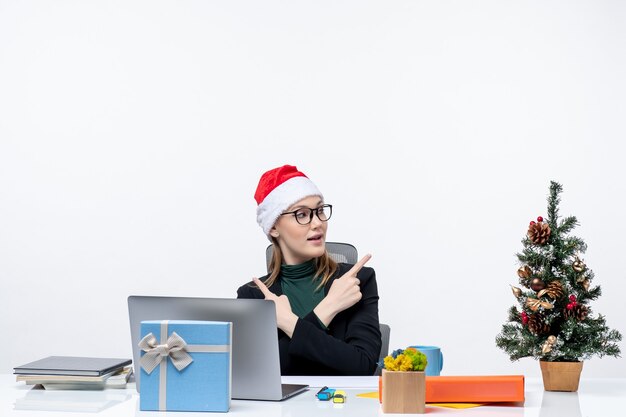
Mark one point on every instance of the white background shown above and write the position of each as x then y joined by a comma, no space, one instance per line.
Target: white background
133,134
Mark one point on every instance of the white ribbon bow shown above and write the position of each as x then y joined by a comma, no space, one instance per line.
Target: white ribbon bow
174,348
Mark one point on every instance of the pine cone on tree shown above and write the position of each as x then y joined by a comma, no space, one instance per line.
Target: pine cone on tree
539,233
579,312
554,290
537,324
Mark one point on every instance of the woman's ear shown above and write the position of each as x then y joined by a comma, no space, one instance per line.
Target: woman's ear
274,233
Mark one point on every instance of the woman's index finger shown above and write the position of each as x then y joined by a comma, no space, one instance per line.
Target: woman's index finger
357,266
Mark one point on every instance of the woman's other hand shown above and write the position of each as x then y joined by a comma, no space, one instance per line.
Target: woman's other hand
285,318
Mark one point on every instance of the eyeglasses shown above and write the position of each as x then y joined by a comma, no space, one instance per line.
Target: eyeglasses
305,215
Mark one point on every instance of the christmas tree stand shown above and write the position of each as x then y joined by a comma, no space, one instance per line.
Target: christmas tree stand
404,392
561,376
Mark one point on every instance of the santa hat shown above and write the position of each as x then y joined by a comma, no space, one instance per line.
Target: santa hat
279,189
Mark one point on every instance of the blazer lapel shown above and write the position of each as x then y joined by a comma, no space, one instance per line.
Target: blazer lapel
276,288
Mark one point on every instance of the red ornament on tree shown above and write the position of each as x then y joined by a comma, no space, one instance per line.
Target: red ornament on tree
539,219
524,318
572,298
571,305
532,222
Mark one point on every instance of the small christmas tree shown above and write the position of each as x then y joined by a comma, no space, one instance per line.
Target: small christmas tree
554,321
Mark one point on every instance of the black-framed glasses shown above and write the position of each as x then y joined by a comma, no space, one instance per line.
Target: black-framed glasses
304,215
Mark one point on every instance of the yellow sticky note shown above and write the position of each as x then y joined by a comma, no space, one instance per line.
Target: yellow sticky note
374,395
456,405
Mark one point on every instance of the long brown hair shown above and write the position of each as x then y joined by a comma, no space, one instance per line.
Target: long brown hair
325,267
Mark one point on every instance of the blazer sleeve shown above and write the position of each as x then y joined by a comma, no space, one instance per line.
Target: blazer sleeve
250,290
358,351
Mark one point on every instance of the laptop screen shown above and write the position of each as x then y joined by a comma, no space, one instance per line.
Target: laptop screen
255,358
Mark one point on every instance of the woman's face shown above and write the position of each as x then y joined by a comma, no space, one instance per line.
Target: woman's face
301,242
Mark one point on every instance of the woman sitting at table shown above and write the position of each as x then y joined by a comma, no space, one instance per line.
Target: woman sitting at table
327,313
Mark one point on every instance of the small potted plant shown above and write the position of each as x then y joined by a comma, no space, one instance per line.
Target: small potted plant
404,382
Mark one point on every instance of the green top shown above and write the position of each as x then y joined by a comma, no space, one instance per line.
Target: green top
299,286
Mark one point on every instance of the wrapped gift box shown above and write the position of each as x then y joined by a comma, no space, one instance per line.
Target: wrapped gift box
185,365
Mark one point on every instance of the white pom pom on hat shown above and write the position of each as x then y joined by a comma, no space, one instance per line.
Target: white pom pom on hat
278,189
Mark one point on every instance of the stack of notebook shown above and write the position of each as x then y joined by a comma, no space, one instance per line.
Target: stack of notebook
72,372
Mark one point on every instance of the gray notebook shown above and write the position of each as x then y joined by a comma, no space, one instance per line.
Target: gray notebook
72,365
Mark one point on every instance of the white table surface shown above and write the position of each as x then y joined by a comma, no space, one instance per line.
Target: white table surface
595,397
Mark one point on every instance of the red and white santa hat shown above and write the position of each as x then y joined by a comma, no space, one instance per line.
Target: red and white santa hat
278,189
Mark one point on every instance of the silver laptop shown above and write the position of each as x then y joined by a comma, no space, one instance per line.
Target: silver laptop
255,359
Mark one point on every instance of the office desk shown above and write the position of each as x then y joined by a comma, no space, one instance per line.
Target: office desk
595,397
